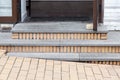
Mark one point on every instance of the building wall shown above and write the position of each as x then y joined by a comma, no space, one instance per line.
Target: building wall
112,12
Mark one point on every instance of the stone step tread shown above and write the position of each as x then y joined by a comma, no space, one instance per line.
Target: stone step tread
22,42
55,27
70,56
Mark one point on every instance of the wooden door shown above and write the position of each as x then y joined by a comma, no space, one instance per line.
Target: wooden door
8,11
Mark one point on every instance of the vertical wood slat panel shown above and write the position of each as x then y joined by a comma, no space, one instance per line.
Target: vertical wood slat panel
24,36
99,36
68,36
68,49
95,36
104,62
15,36
39,35
64,49
27,36
20,36
78,37
83,36
31,35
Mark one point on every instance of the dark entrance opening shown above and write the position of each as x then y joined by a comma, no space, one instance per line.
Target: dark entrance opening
41,10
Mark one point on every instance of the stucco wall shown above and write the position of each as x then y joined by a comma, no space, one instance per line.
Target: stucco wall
112,12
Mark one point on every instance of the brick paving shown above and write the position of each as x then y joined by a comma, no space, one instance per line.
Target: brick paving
19,68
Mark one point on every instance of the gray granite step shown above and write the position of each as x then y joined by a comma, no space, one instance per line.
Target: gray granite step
56,27
70,56
113,40
11,42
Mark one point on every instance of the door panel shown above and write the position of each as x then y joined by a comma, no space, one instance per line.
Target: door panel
61,8
8,10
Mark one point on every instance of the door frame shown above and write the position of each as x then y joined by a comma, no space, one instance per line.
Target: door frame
14,17
98,13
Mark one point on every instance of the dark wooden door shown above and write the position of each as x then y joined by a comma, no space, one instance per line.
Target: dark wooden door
61,8
7,15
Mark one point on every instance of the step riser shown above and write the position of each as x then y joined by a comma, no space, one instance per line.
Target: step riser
104,62
59,49
48,36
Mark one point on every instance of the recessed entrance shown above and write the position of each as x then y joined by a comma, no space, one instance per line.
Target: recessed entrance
60,10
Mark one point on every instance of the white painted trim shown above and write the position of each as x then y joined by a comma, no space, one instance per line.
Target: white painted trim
23,16
23,10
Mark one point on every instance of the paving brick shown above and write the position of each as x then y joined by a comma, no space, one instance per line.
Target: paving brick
23,73
41,68
40,75
49,67
3,76
21,78
14,68
65,76
5,71
57,68
98,77
82,76
73,73
57,62
89,71
90,78
13,76
96,70
65,67
57,76
49,62
81,69
111,71
30,77
104,71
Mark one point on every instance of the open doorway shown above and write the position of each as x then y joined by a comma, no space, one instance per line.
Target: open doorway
59,10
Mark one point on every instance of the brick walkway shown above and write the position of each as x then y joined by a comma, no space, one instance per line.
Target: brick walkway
18,68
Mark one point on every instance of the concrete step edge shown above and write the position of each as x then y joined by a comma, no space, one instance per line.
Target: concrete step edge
70,56
59,43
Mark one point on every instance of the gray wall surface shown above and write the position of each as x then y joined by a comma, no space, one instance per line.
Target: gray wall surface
112,12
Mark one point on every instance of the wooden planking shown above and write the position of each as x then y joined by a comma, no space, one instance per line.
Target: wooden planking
62,49
45,36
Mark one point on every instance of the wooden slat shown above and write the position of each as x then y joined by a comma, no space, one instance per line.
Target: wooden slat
62,49
95,15
45,36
